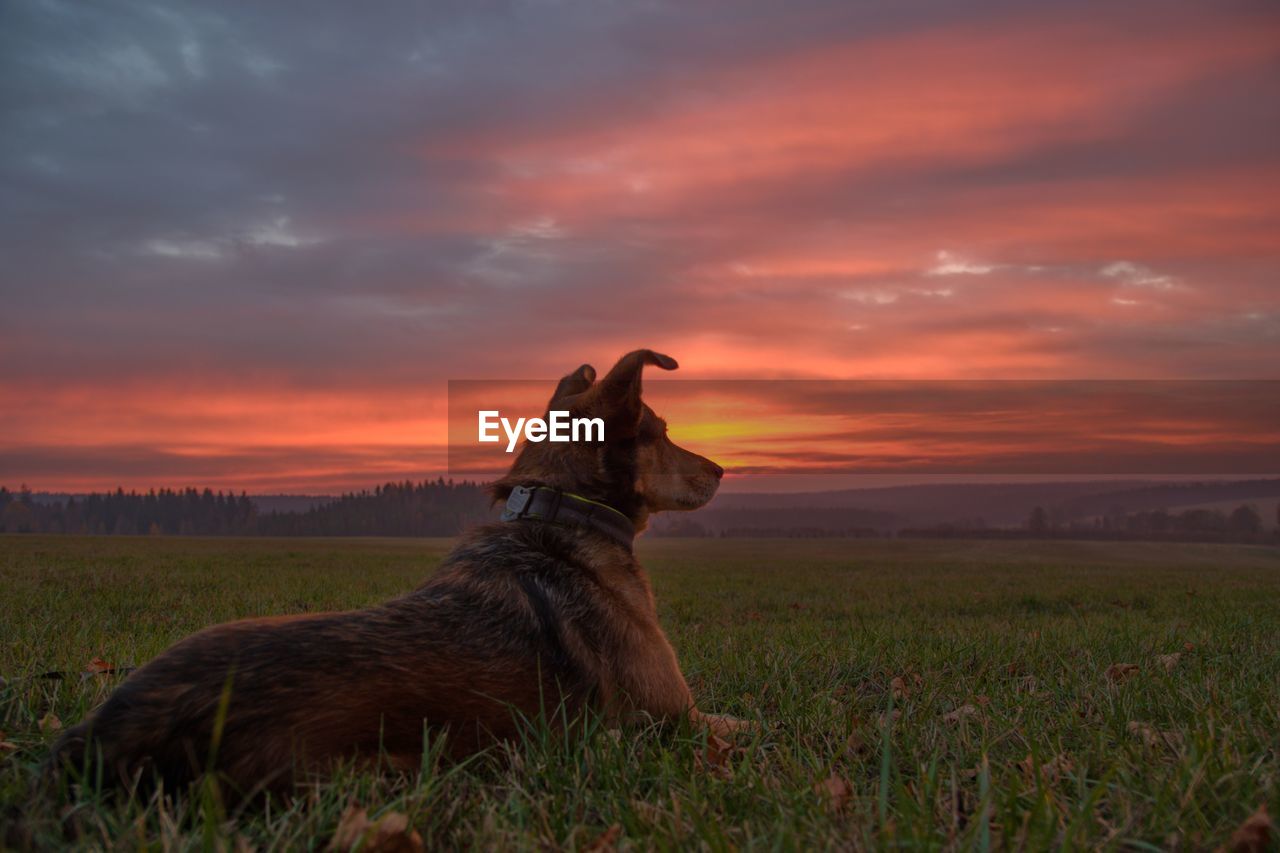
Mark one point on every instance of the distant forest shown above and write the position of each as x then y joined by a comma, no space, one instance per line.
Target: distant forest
445,508
429,508
1243,524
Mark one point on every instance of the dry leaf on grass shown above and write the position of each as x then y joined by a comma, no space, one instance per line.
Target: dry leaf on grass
1118,673
390,833
718,750
1151,736
716,758
50,723
1050,771
1254,835
960,713
7,746
898,687
605,841
856,743
1169,661
836,790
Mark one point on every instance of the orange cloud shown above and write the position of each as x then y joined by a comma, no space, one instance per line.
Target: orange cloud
958,95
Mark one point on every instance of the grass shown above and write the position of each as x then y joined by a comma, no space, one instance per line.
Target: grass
929,695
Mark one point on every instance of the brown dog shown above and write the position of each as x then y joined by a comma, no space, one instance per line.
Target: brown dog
547,610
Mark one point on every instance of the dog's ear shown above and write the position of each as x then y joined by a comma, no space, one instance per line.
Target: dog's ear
619,391
573,384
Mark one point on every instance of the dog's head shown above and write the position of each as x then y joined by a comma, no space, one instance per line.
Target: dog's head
637,469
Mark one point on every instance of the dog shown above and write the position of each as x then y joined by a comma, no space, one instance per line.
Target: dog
546,609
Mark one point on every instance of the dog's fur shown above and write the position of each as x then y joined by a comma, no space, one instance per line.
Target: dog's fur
521,618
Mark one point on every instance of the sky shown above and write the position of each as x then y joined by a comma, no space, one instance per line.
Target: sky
247,245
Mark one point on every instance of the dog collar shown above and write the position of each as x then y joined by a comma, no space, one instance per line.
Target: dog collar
543,503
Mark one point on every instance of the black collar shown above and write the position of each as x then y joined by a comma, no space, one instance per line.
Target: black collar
543,503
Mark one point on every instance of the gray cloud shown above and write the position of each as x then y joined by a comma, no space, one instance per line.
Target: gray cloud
302,189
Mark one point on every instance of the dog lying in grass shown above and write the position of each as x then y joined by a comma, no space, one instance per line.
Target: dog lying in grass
547,611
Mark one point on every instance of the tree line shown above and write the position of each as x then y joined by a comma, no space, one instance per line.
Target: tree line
445,508
439,508
428,508
1243,524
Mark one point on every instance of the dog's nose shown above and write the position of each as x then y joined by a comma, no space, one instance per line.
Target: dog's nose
719,472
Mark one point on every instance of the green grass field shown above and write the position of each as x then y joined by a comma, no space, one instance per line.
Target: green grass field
931,695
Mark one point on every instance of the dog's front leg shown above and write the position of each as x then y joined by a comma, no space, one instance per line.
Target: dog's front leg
653,684
722,725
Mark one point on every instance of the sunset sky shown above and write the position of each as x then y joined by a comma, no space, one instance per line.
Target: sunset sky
247,245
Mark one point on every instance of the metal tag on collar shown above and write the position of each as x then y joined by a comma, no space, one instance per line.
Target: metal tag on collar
518,503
